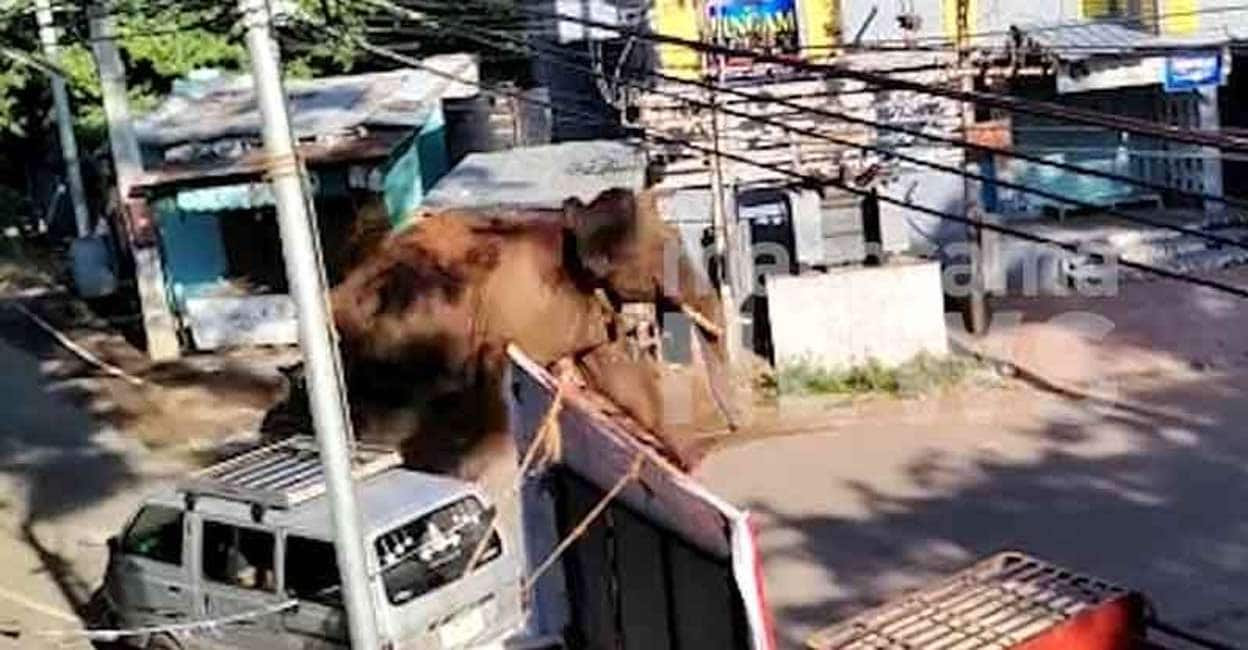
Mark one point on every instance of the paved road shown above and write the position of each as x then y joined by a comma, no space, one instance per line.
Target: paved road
1150,490
1157,503
66,484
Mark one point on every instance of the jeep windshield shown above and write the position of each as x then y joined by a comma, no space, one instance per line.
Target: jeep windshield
431,551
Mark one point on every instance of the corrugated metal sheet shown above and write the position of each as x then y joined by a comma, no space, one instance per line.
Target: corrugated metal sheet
226,108
1073,41
251,164
540,177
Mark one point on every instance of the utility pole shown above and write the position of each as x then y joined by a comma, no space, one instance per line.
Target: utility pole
305,273
720,225
64,118
158,322
978,321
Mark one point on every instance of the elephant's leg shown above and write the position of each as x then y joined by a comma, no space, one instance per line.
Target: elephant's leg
460,430
636,386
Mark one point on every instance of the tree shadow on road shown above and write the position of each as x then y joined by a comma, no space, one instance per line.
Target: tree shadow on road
1155,505
51,446
56,457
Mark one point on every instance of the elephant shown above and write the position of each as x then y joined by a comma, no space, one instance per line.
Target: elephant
425,318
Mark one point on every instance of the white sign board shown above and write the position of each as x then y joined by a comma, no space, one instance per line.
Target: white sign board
221,322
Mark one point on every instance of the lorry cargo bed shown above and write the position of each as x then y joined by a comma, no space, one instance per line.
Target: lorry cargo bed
1010,600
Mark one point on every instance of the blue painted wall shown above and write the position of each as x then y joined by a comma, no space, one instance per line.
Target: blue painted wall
190,220
194,253
416,164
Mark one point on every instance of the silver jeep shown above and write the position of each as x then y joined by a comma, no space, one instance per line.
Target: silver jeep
241,556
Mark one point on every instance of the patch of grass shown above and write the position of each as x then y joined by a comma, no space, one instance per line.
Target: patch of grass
807,377
15,277
922,374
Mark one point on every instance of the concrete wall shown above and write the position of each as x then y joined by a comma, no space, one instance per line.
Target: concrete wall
850,315
988,19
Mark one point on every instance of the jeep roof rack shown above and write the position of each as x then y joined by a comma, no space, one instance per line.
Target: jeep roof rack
280,475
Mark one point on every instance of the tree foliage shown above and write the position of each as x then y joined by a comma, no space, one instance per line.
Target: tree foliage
160,41
163,40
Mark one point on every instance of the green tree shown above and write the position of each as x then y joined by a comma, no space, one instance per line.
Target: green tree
160,41
163,40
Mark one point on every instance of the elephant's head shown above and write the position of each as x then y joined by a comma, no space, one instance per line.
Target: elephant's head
622,241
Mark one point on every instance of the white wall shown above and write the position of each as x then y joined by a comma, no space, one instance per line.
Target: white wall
850,315
987,16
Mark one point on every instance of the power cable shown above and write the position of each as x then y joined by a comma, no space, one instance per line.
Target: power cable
1058,27
807,179
883,151
889,153
956,142
1032,159
1002,102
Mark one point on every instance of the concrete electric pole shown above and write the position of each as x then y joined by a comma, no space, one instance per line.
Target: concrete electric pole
306,276
721,225
158,323
64,118
978,304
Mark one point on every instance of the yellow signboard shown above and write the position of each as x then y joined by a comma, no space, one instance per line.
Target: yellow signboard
801,28
950,17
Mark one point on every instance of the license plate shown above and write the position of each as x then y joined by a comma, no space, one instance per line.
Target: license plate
463,629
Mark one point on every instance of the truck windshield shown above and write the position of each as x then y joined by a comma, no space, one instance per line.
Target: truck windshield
431,551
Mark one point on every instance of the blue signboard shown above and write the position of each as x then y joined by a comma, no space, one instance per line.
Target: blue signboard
1194,70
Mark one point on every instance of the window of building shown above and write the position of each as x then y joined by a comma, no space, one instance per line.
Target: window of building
312,571
156,534
238,556
1133,14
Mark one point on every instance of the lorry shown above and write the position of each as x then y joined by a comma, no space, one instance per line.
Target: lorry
607,545
240,555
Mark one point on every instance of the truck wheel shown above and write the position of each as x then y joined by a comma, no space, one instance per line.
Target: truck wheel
162,642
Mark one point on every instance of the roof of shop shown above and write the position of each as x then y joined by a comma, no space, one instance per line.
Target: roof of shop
210,106
540,177
1073,41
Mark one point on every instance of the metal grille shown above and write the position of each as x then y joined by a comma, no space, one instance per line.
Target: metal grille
281,475
994,605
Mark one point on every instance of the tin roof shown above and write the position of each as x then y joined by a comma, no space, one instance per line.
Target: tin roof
1077,40
283,474
385,493
209,108
541,176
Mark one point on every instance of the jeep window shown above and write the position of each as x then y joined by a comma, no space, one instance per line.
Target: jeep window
156,534
429,552
238,556
312,571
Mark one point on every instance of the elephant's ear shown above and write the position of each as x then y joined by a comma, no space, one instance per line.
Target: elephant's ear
602,229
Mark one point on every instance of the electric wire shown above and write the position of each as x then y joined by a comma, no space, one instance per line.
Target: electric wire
993,100
807,179
488,39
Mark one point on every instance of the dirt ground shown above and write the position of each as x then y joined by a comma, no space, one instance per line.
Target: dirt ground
1119,450
192,402
80,448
